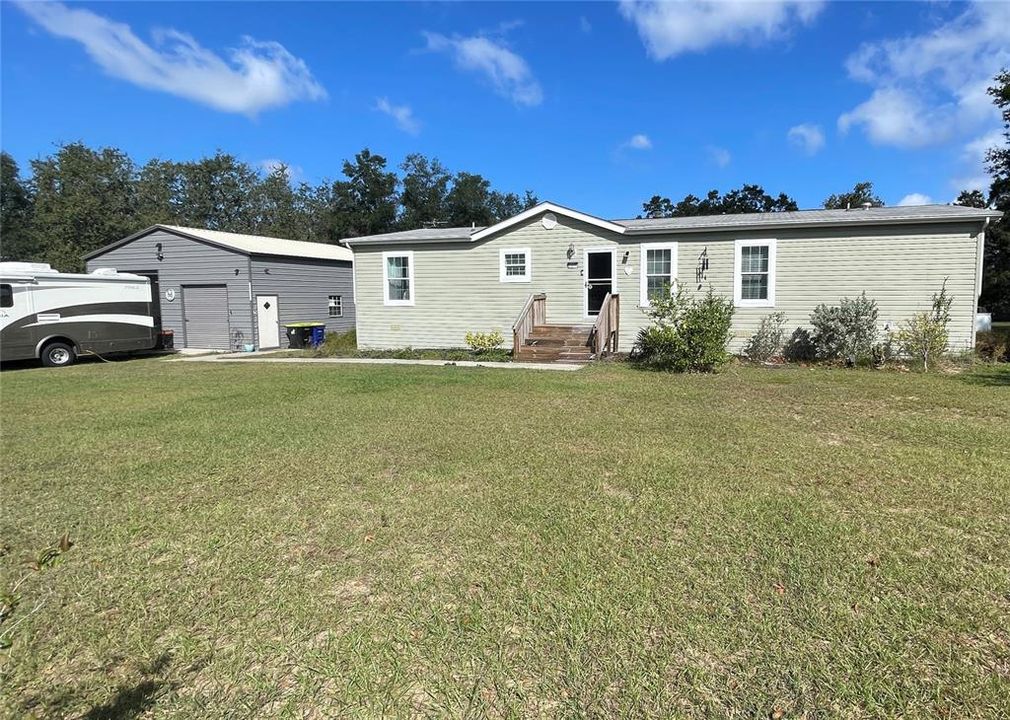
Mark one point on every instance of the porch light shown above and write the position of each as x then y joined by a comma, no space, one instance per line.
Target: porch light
158,253
571,250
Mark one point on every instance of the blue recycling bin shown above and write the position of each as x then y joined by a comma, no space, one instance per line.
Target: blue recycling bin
318,335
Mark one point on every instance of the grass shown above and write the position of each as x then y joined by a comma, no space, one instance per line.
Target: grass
359,541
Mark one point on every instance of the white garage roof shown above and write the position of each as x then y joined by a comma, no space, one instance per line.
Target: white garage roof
249,244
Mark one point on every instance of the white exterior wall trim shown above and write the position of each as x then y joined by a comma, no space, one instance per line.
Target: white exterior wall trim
409,254
548,207
527,253
643,300
738,300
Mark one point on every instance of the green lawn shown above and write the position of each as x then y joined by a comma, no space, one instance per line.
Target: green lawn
328,541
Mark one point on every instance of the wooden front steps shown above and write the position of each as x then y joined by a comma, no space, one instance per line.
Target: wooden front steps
556,343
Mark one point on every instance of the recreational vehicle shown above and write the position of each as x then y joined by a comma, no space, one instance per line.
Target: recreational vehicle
56,316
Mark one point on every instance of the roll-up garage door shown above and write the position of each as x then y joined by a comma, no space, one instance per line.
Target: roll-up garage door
205,316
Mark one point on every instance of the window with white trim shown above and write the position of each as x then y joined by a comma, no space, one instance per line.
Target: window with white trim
398,277
335,306
515,265
754,273
659,271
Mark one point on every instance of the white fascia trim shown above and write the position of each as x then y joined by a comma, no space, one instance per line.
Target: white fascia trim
528,277
643,299
738,301
548,207
409,254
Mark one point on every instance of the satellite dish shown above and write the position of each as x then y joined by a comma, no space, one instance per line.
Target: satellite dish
549,221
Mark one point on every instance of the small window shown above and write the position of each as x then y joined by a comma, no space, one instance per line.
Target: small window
754,276
399,278
659,270
336,306
514,265
6,295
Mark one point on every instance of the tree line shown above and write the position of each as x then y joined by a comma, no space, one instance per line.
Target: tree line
80,198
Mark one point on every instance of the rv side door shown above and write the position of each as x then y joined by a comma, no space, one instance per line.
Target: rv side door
17,314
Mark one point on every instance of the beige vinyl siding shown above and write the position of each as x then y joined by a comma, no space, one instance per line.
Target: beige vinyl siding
457,288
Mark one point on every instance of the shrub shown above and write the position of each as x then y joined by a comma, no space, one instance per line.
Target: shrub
483,342
924,336
767,341
847,330
687,335
992,346
799,347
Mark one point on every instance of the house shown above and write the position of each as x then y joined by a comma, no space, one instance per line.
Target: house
559,283
226,290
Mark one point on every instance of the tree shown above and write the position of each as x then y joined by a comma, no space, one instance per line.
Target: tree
16,242
216,192
160,194
84,199
365,203
746,199
860,194
506,205
971,198
467,202
425,191
996,263
274,206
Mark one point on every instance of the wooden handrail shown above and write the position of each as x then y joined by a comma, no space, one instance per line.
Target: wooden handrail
607,328
534,314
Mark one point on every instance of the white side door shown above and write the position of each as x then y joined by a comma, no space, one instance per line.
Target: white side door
267,323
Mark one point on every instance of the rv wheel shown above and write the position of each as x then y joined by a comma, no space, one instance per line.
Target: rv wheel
58,354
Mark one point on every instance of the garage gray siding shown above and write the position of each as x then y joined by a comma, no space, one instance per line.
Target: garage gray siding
188,262
303,287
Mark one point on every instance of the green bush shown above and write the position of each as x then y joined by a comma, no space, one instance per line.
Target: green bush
992,346
483,342
687,335
799,347
766,343
924,336
847,330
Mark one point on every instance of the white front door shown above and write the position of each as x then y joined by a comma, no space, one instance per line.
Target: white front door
267,321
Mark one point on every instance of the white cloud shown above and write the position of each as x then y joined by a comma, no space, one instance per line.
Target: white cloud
807,137
402,114
671,28
931,87
719,156
509,74
639,141
915,199
256,76
894,117
584,24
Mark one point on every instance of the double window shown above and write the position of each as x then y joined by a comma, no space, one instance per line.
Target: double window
754,273
335,307
515,265
398,277
659,271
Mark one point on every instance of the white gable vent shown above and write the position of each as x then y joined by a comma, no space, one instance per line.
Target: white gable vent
549,221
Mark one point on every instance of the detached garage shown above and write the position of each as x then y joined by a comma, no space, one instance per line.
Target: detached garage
223,291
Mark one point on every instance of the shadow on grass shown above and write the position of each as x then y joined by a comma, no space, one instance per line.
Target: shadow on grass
131,701
996,377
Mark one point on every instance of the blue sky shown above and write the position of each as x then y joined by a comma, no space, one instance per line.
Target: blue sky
598,106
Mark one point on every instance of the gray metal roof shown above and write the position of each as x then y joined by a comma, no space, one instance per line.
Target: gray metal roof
914,213
750,221
421,234
248,244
